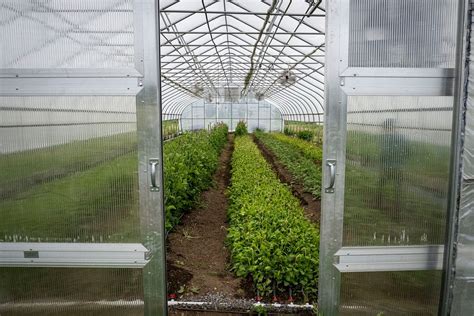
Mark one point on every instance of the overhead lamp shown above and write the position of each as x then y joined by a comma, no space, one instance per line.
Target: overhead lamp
198,88
287,78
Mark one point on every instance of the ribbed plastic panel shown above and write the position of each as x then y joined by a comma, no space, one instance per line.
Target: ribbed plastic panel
463,289
67,34
390,293
402,33
397,170
75,292
68,169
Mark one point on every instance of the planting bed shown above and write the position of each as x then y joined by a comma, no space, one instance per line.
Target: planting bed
310,204
189,164
300,158
270,239
268,248
196,247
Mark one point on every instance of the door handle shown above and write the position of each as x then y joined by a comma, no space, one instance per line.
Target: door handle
331,163
153,163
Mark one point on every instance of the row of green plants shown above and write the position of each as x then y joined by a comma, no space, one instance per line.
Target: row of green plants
189,163
309,131
300,158
170,128
269,237
308,149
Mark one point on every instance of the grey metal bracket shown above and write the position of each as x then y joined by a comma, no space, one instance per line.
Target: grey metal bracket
389,258
73,255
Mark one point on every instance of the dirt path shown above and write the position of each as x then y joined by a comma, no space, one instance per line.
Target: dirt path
311,206
197,257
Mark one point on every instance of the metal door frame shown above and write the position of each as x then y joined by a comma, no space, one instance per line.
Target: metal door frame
144,82
343,81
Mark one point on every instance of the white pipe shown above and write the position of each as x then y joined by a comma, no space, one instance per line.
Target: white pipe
137,303
291,305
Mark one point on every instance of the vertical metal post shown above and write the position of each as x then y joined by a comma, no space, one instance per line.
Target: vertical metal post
247,115
258,113
192,116
150,146
332,203
217,110
462,73
271,110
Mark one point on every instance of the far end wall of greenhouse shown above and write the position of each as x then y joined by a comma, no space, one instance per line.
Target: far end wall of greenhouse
257,114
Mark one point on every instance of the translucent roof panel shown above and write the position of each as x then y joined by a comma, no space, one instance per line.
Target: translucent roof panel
273,49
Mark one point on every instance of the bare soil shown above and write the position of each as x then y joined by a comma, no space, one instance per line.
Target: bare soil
198,261
311,206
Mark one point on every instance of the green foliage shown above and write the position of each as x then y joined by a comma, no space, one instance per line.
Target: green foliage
305,135
241,129
218,136
309,150
259,310
269,237
170,128
300,158
288,131
189,163
293,127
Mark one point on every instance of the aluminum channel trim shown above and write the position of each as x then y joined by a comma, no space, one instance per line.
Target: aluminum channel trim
72,255
396,258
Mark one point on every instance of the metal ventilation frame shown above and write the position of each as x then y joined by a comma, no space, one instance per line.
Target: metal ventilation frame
248,44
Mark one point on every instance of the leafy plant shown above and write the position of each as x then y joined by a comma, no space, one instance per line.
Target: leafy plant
189,163
308,149
241,129
269,237
300,158
305,135
317,129
260,310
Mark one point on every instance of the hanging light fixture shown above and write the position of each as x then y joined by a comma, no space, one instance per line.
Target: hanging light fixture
287,78
208,98
198,88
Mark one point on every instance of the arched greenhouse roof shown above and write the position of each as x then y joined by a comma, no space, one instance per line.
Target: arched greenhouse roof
268,49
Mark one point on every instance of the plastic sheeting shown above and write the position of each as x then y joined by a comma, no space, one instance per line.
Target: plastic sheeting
463,290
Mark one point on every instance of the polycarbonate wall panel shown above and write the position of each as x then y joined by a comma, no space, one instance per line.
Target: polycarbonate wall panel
29,123
256,114
67,34
59,291
68,169
72,74
397,170
402,33
390,293
463,289
463,285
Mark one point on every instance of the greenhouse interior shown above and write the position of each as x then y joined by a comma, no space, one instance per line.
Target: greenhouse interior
236,157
